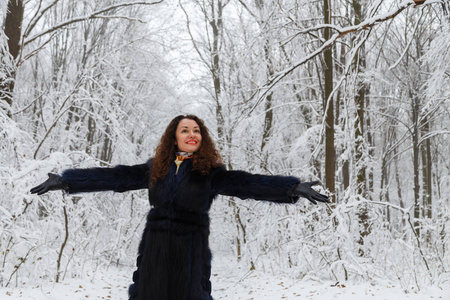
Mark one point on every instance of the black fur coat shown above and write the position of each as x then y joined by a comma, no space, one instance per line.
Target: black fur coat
174,259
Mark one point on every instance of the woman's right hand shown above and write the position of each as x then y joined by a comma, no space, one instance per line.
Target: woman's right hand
53,183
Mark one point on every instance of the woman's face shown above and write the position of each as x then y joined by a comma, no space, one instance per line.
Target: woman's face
188,136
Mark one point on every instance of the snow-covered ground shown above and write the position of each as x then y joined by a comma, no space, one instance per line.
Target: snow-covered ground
229,282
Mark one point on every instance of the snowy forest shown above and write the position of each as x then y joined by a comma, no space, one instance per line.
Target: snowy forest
354,94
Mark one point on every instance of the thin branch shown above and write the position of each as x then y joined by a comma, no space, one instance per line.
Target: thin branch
315,28
408,215
63,245
22,261
93,15
409,43
36,18
61,113
35,51
418,242
119,17
29,105
247,9
194,43
340,32
432,134
354,52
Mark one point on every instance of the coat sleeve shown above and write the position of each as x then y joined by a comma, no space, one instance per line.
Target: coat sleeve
245,185
119,178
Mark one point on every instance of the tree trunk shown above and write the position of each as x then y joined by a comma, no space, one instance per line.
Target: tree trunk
399,185
426,175
370,139
12,29
416,153
360,99
360,143
426,171
328,103
106,151
345,160
91,132
317,171
384,193
268,117
216,26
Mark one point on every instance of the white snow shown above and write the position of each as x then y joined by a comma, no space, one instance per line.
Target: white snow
230,281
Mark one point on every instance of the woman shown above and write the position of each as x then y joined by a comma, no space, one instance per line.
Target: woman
184,176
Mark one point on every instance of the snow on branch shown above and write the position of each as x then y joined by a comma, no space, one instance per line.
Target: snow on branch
37,16
94,15
339,32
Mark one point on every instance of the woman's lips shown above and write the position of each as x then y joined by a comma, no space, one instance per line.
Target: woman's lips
192,142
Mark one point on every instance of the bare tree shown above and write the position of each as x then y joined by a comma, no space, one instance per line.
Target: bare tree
21,35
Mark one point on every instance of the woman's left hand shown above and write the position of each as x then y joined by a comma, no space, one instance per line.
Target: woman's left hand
305,190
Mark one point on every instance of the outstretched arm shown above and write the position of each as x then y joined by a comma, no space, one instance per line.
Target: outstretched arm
119,179
279,189
245,185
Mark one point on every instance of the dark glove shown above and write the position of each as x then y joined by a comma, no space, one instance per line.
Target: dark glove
53,183
304,190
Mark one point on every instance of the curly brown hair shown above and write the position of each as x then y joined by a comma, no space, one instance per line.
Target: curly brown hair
204,159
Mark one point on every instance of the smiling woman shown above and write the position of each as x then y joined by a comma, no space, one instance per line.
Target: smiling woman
183,178
189,138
